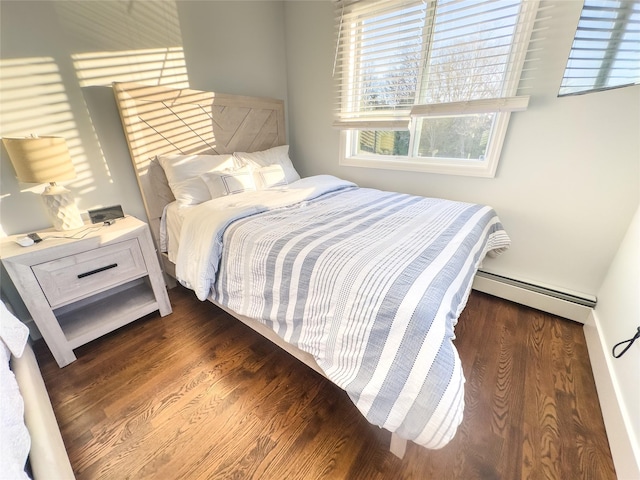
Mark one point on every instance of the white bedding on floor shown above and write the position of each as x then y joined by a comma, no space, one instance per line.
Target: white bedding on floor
15,441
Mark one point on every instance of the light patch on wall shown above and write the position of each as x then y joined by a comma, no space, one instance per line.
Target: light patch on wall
28,84
125,42
120,26
65,91
34,102
121,42
159,66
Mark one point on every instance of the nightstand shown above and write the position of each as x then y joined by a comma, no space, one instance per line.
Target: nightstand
79,289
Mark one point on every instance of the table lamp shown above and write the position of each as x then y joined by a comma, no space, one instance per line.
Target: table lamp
47,160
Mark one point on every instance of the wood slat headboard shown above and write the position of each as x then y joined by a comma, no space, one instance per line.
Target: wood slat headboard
160,120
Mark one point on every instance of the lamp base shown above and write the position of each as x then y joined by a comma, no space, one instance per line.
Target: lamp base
61,208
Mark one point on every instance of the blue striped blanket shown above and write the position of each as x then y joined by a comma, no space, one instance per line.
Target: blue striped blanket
370,283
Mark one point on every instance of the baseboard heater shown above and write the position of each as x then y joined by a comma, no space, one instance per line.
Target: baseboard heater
569,305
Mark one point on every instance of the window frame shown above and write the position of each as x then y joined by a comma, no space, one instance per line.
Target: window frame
449,166
487,167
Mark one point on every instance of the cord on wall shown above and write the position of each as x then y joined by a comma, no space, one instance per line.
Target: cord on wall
628,345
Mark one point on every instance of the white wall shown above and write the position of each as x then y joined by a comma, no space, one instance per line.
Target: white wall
58,60
41,94
569,178
235,47
616,318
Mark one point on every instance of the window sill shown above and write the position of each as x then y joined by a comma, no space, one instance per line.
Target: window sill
469,168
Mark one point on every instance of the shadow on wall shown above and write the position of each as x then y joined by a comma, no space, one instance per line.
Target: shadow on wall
58,62
103,111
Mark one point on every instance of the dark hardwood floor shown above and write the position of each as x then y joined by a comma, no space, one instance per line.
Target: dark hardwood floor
197,394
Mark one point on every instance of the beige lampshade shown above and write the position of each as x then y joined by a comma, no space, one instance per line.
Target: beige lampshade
40,159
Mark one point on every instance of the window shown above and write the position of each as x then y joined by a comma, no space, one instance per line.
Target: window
606,49
429,86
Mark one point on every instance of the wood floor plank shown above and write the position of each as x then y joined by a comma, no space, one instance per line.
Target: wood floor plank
198,394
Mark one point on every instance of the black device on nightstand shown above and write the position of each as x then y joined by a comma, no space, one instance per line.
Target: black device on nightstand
101,215
35,237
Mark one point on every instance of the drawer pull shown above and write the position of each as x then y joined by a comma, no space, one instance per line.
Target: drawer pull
97,270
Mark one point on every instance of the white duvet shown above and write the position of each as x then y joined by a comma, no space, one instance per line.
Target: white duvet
200,244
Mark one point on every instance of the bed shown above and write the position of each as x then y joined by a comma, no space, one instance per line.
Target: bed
32,445
362,285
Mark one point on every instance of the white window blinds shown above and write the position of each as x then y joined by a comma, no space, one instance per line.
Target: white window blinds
606,48
378,60
395,59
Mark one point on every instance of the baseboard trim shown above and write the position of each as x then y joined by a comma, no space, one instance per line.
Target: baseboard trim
626,458
568,306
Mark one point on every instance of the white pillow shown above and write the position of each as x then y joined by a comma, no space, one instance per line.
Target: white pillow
183,174
229,182
270,176
276,155
191,191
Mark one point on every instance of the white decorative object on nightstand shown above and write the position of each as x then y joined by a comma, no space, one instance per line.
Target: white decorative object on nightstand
80,289
47,160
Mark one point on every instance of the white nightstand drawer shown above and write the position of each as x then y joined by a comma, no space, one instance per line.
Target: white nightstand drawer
77,276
